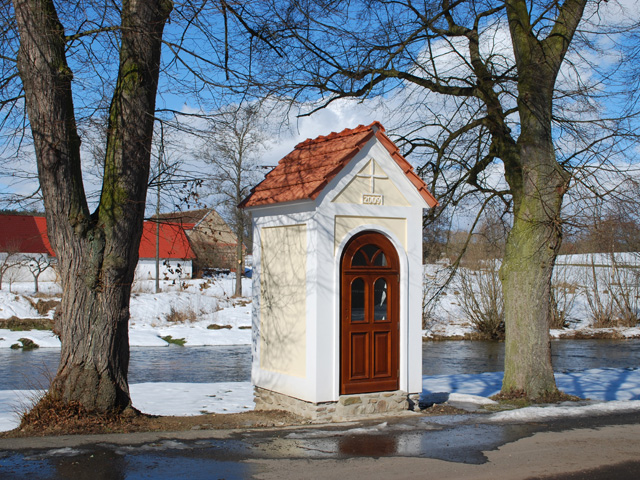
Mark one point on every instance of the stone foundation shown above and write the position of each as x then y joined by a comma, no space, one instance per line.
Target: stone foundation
348,407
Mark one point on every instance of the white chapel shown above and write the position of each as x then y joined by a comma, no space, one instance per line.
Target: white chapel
337,290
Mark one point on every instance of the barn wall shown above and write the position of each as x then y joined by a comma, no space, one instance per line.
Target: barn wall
146,269
20,271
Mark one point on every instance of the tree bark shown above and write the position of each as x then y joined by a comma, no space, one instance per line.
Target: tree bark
97,252
538,183
531,249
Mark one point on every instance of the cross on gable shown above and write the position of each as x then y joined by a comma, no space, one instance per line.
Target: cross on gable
372,176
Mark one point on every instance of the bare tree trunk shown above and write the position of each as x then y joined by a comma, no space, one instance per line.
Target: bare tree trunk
97,253
538,184
239,266
526,271
239,232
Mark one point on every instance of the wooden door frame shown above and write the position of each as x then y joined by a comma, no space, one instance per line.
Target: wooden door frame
348,273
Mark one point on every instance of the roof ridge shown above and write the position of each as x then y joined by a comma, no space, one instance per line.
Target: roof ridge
375,126
304,172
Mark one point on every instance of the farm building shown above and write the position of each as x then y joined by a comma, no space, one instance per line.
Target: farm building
23,241
25,250
212,240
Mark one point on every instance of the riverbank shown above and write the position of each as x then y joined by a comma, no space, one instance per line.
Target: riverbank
203,312
596,297
584,333
195,312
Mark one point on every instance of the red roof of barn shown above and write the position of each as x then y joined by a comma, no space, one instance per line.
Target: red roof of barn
303,173
28,234
173,241
24,234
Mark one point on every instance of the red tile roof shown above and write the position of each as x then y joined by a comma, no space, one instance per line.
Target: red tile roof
303,173
28,234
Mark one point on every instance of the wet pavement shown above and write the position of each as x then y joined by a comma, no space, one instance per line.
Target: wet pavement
224,454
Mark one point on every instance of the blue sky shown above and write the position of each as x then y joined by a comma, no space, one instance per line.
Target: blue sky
177,84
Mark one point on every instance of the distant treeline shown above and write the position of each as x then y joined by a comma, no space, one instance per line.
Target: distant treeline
33,213
613,231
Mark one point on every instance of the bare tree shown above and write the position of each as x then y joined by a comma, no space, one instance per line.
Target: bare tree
238,137
97,252
109,53
481,299
175,184
485,87
564,292
609,224
9,259
484,242
435,236
37,265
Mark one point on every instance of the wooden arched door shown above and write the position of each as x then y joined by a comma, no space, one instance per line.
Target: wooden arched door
369,306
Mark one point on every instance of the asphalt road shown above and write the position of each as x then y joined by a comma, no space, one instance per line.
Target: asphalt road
408,447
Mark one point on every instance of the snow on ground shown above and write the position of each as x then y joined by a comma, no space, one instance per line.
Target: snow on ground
599,259
600,384
578,279
187,310
619,332
44,338
192,398
183,399
609,389
530,414
184,311
16,305
12,404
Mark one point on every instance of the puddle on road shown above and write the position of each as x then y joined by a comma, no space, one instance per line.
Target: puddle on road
451,441
105,463
223,458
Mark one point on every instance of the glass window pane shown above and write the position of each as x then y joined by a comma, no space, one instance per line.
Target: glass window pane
357,300
380,260
364,256
380,300
370,251
359,260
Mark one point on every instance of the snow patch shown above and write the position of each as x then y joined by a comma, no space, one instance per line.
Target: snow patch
187,399
615,390
552,412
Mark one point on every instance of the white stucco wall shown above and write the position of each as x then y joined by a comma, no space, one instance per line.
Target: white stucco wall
384,186
292,382
283,321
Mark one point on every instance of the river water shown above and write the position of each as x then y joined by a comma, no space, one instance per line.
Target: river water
32,369
451,357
